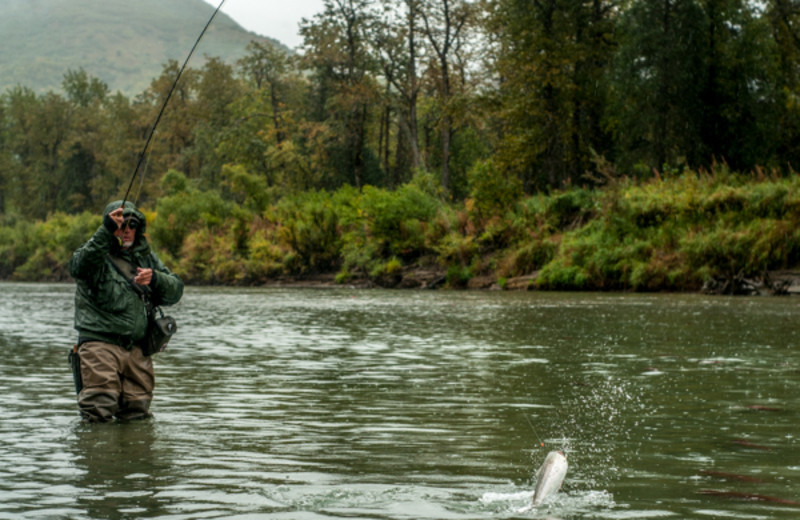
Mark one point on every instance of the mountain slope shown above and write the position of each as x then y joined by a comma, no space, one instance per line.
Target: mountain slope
124,43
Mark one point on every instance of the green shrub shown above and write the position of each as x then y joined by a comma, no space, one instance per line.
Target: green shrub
492,193
16,246
570,209
668,232
393,219
309,225
387,274
458,276
265,259
529,256
747,249
41,251
456,249
359,255
558,275
183,212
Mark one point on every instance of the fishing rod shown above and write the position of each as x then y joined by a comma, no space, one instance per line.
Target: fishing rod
164,106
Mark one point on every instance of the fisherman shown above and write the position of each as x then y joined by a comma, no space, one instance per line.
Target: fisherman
114,376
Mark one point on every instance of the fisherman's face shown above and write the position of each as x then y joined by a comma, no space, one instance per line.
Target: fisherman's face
127,233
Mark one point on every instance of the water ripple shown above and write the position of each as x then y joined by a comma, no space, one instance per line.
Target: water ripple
419,405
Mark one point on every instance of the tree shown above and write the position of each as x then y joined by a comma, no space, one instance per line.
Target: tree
120,138
81,162
398,50
83,90
444,21
694,84
267,66
217,91
657,93
551,60
337,53
5,158
784,20
176,129
38,129
739,91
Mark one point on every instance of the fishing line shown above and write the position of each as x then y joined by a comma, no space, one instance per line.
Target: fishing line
164,105
535,433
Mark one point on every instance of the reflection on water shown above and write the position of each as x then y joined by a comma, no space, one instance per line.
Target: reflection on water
415,405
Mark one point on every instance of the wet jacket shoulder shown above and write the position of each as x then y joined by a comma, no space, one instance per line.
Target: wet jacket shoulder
106,305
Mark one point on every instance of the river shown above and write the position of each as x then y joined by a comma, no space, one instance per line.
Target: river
372,404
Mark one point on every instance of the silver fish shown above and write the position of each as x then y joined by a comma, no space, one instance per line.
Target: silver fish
550,476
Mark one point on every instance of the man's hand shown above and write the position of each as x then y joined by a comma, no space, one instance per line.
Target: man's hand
116,216
113,221
143,276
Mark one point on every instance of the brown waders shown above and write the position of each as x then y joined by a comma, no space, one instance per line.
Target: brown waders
116,382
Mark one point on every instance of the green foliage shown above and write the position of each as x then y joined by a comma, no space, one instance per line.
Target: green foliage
529,256
665,234
554,66
387,273
676,233
458,276
492,192
265,261
747,248
40,250
248,190
359,256
569,208
384,227
15,248
309,226
174,182
186,211
395,220
635,88
686,84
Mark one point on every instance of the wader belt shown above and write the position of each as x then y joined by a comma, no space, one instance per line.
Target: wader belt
113,339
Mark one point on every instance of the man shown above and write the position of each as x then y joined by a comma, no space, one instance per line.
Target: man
111,315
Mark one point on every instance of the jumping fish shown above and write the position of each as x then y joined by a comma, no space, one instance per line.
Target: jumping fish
550,476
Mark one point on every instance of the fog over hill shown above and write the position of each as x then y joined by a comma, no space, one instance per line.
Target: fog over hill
124,43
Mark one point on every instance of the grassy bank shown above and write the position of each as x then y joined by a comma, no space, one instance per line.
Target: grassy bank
673,233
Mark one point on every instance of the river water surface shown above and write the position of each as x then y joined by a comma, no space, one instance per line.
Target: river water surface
323,404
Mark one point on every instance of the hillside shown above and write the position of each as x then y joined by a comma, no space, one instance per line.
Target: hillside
125,43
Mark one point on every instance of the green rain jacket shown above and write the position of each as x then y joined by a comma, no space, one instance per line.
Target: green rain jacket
107,308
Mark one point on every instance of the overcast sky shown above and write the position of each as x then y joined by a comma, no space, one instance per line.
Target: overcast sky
277,19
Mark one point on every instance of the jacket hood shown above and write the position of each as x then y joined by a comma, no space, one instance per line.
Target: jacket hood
130,210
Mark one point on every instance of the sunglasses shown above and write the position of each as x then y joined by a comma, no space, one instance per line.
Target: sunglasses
131,223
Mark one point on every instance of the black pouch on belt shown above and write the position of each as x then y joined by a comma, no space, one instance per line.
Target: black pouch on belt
75,363
160,329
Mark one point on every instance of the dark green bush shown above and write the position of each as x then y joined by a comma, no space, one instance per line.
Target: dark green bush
309,225
184,211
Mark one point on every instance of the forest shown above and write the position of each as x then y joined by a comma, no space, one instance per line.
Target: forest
575,144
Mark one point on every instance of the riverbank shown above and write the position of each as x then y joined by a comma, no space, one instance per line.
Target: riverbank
716,232
777,283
